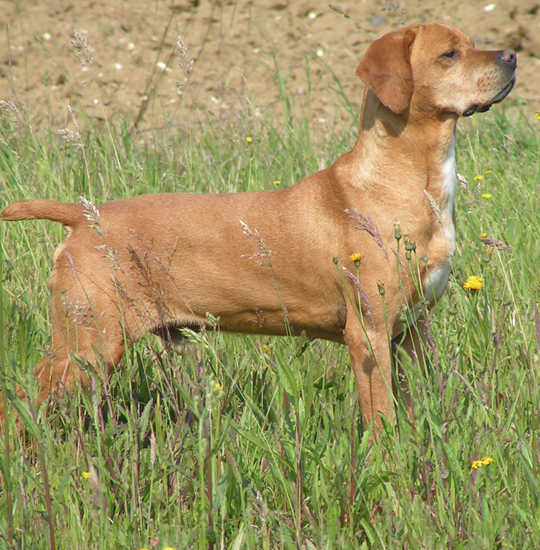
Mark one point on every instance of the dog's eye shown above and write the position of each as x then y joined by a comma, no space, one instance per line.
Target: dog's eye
450,55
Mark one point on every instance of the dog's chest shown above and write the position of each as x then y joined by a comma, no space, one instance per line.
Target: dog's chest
444,244
449,182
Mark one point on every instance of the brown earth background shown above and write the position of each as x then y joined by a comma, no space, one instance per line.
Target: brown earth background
235,48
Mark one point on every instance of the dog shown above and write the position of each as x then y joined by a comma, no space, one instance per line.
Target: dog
287,261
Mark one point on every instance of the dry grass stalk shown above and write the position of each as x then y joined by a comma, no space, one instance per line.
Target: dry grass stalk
69,136
499,245
363,295
434,207
401,262
537,325
12,111
463,181
186,62
365,223
80,311
91,213
71,263
256,239
83,51
73,119
73,138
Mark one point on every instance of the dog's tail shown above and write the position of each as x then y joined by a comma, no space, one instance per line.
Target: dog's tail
62,212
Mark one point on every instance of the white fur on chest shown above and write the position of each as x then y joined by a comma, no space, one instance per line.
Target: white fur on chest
435,282
448,191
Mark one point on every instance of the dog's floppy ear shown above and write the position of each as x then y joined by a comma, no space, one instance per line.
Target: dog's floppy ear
386,69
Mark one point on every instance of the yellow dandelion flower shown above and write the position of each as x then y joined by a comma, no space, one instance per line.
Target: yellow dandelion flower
277,182
537,115
355,257
478,177
474,283
483,235
266,350
486,196
249,140
485,461
86,475
488,172
168,548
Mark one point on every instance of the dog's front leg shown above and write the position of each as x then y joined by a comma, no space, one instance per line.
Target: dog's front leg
412,344
371,362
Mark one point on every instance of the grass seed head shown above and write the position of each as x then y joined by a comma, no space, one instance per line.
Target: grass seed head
12,111
83,51
185,63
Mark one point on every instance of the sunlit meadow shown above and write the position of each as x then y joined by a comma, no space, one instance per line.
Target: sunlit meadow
253,442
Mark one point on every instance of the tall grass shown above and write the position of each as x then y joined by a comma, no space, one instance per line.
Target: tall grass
254,442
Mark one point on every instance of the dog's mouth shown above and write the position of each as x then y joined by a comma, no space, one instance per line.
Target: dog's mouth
498,98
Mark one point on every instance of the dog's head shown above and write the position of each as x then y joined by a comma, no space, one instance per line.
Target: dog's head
436,68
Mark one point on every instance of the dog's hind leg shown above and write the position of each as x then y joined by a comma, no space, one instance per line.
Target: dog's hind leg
77,341
88,328
60,371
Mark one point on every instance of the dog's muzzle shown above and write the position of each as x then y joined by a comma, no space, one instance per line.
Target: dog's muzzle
507,60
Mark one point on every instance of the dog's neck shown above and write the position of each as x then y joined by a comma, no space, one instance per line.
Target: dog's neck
421,144
407,163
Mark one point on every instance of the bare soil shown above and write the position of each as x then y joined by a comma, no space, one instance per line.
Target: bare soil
237,48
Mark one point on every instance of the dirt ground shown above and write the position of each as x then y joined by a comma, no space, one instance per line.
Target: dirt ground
234,48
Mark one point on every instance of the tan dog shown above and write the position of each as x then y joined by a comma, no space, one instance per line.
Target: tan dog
278,262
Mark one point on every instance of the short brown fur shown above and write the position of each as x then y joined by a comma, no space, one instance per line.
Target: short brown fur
263,262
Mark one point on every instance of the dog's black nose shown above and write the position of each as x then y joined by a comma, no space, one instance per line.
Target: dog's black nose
509,57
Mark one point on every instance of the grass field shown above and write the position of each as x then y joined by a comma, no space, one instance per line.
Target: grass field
247,442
